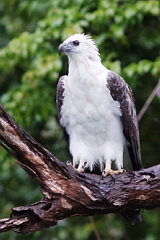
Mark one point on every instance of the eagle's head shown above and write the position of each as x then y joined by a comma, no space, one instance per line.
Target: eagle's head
79,45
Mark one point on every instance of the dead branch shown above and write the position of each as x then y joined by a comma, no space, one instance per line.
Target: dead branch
156,91
67,192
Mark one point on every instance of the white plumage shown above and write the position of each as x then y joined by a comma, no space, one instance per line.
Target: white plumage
88,112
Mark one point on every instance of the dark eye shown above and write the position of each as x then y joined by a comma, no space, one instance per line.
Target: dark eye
76,43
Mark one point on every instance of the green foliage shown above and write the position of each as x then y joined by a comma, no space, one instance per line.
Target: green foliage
127,34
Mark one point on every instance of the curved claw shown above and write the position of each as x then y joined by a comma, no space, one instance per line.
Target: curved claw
107,172
69,163
119,171
81,167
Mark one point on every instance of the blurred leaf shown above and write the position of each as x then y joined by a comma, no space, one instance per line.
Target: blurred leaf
127,34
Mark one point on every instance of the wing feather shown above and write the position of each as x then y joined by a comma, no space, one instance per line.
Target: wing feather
121,92
60,99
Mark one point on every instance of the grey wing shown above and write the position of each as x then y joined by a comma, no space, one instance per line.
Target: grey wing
60,99
121,92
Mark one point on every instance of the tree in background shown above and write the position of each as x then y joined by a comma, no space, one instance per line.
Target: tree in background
127,34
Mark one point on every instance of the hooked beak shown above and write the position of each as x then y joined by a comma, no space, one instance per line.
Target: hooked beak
61,48
66,48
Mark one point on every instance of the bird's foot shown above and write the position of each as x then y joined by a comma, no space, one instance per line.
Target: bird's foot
70,164
107,172
81,167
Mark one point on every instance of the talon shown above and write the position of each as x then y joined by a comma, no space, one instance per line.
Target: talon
107,172
81,167
118,171
69,163
111,172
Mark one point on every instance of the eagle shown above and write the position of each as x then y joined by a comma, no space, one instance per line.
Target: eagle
97,112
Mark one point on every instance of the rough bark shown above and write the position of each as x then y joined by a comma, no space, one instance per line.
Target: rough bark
67,192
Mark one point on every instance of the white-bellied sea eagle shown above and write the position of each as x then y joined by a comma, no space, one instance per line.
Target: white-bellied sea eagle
96,110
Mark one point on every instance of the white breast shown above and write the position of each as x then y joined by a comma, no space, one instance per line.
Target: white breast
92,120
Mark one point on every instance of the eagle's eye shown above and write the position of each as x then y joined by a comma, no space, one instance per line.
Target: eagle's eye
76,43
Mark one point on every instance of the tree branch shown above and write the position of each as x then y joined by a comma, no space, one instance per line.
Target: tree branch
156,91
67,192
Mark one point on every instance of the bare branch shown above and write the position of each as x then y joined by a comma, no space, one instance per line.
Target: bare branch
68,192
96,233
156,91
